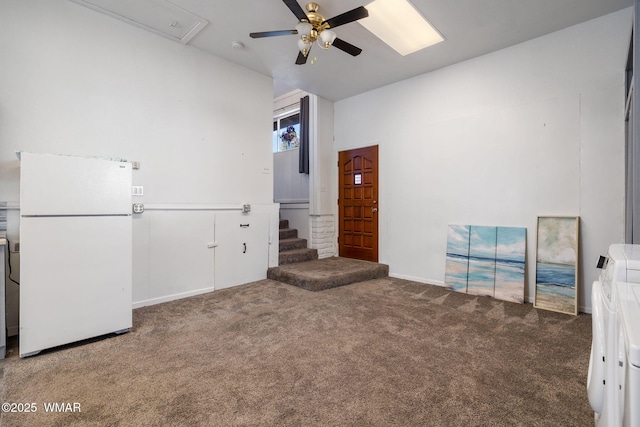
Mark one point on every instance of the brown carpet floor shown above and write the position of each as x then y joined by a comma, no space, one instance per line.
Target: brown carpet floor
385,352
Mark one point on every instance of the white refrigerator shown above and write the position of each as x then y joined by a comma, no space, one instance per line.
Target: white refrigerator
75,249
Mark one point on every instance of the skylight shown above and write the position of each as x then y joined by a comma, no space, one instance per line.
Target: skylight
400,25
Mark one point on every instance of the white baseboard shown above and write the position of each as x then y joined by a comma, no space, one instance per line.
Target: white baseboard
581,309
167,298
417,279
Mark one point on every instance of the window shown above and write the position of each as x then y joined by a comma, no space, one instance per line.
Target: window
286,131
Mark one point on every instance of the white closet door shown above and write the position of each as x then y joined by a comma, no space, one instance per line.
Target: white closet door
242,248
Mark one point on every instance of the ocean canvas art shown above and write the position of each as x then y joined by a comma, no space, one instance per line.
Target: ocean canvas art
486,261
557,264
457,265
510,263
482,261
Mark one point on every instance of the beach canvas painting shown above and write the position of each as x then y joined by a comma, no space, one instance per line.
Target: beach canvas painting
510,263
487,261
557,264
482,261
457,265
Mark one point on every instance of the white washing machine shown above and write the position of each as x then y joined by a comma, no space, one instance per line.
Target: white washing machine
622,264
628,376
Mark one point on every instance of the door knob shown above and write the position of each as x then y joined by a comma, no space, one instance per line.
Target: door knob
374,209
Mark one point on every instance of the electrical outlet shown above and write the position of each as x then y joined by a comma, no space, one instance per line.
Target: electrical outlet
137,190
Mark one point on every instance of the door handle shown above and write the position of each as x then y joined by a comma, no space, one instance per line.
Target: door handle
374,210
244,251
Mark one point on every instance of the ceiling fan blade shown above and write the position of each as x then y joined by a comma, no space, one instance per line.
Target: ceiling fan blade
301,59
345,18
346,47
272,33
296,9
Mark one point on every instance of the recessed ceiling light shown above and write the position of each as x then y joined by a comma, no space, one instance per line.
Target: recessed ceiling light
400,25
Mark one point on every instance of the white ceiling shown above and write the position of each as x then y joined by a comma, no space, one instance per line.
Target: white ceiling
470,27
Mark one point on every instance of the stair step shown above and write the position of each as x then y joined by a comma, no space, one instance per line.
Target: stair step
297,255
284,223
318,275
290,244
288,233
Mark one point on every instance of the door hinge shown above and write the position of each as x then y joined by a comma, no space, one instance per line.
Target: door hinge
338,201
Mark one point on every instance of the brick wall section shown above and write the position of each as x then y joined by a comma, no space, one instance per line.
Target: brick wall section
323,235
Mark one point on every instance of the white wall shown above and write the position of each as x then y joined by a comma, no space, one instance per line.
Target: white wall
534,129
289,185
75,81
323,168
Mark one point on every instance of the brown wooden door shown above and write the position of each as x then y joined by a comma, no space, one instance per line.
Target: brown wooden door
358,203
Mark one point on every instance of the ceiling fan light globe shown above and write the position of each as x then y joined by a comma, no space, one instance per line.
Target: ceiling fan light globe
304,29
304,46
326,38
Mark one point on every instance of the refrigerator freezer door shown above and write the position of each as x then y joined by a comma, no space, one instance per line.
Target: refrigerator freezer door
52,184
77,281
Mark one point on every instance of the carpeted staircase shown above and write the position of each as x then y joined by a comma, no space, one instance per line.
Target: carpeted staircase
292,248
300,266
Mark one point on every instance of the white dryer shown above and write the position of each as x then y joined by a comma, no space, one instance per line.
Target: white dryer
622,264
628,375
596,379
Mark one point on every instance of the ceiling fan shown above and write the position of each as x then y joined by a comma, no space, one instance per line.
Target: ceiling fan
313,27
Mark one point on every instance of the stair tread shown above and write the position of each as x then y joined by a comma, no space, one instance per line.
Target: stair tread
293,256
288,231
298,250
317,275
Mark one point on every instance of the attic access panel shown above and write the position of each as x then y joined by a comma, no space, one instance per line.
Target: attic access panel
158,16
